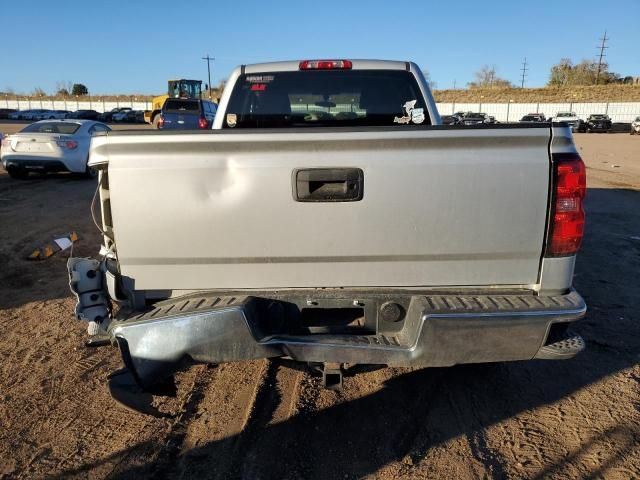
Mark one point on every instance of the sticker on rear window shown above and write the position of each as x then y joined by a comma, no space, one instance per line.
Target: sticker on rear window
408,108
232,119
417,115
259,78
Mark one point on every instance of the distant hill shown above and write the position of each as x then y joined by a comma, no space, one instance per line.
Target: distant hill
594,93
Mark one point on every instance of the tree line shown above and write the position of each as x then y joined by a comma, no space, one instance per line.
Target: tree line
563,74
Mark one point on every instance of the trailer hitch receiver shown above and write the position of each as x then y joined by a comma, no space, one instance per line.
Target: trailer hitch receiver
332,376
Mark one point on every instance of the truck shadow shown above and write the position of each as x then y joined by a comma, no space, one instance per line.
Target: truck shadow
415,413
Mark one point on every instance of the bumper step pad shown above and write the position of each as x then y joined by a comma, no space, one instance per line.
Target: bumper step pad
566,348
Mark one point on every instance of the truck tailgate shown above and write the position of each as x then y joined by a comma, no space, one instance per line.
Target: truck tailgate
440,207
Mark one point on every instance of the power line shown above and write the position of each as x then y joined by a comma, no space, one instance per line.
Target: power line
209,60
524,72
602,48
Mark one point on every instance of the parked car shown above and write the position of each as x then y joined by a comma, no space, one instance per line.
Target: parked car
322,237
52,115
5,112
599,123
471,118
108,116
140,116
187,114
449,119
121,115
32,114
533,118
83,115
50,146
41,115
635,127
458,116
17,115
575,122
132,116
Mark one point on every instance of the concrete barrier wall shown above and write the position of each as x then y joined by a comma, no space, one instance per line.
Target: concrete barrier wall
512,112
72,105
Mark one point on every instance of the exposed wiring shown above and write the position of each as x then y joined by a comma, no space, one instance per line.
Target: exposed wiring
95,221
93,210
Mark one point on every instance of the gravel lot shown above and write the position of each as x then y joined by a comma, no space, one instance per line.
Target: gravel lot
264,419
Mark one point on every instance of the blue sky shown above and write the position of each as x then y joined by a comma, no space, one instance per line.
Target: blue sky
132,46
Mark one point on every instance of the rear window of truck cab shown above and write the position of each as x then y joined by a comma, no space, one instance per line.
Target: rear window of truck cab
181,106
325,98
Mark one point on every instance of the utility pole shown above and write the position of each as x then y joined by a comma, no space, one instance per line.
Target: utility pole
454,84
209,60
602,47
524,72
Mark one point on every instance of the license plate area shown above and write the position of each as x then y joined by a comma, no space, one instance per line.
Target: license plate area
332,320
32,147
317,316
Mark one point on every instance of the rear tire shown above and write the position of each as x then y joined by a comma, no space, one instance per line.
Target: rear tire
89,172
18,173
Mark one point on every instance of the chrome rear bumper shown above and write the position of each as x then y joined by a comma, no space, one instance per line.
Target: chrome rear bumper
436,331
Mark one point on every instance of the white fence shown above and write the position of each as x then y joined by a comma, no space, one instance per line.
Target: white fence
504,112
72,105
512,112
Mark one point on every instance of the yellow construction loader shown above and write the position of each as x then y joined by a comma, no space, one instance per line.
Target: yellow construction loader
175,89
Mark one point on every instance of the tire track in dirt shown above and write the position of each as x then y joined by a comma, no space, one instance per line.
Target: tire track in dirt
177,432
211,441
272,403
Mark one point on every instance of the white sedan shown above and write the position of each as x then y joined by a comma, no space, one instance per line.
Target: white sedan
51,115
121,115
50,146
32,114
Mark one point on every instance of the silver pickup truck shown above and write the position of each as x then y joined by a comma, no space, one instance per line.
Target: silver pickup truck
329,218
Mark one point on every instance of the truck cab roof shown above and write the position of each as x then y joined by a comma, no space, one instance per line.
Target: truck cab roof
294,65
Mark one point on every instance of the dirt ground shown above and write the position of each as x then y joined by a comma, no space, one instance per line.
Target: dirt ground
260,420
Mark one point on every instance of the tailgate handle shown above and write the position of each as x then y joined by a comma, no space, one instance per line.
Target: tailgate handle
328,185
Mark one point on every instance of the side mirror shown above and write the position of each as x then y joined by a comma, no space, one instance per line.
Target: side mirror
206,86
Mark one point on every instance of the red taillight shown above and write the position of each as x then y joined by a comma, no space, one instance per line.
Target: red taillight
202,123
69,144
326,65
6,142
567,215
